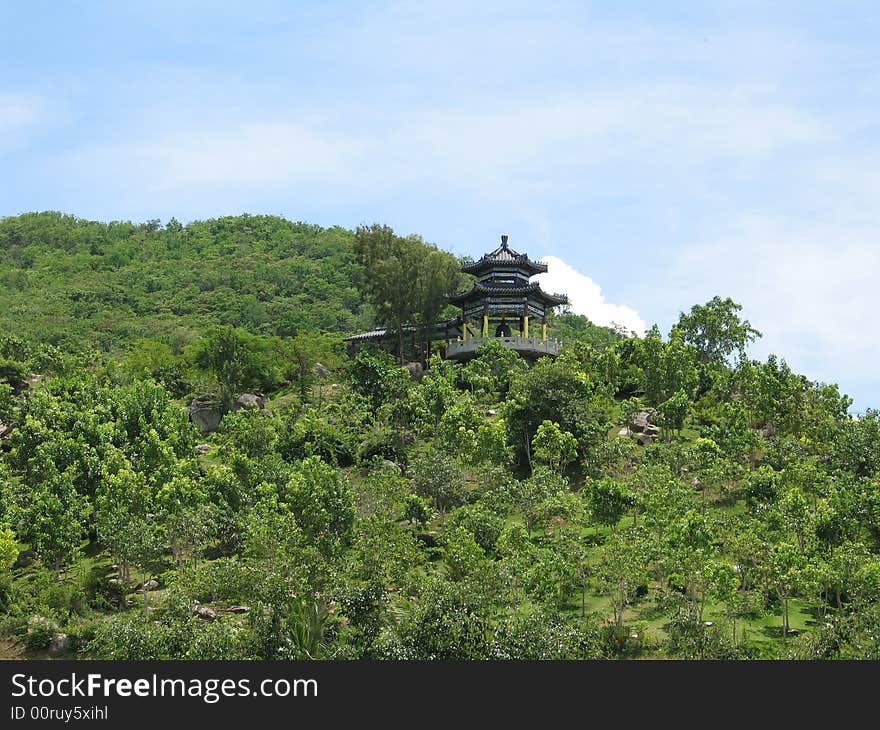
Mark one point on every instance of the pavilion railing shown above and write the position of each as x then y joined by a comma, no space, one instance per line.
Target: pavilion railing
532,345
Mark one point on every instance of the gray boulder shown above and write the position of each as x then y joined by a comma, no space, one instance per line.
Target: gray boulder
60,645
249,400
320,370
204,412
416,371
206,612
25,558
202,449
643,422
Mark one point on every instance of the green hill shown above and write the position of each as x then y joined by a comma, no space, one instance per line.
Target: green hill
72,282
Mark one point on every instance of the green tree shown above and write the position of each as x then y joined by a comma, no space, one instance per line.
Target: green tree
235,359
528,495
716,330
405,279
608,500
437,476
622,568
553,446
322,502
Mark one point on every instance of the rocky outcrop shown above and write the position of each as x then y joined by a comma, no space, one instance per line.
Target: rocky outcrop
25,558
206,613
643,426
320,370
416,371
205,412
60,645
249,401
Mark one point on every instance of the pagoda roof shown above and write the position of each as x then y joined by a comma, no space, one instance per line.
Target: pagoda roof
503,256
481,290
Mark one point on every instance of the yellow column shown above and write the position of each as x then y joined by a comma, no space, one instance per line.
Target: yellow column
464,330
485,325
543,331
525,326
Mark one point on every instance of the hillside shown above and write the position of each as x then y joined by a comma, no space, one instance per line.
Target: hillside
632,498
72,282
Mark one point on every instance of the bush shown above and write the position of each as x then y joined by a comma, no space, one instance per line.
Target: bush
102,592
439,478
40,631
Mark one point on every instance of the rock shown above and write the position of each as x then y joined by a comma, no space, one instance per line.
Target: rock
320,370
708,623
202,449
624,432
237,609
5,430
644,439
59,645
644,421
697,484
151,585
249,400
416,371
388,464
491,412
25,558
769,431
206,612
204,412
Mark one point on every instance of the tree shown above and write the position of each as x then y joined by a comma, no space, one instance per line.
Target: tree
557,391
716,330
322,502
406,279
667,367
608,500
439,478
553,446
9,548
303,352
623,567
235,359
529,494
783,568
50,517
674,410
446,622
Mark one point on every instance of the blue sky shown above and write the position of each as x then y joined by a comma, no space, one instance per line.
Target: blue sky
661,153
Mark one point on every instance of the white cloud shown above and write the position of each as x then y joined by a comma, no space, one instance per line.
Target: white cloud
586,297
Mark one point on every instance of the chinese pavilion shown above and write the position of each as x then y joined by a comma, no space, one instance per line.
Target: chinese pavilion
501,305
503,296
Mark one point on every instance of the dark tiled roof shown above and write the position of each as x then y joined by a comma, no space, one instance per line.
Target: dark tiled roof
504,256
480,290
380,332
